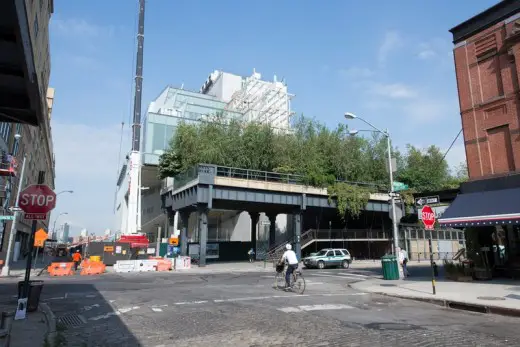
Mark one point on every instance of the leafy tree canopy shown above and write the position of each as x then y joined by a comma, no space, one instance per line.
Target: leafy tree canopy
319,154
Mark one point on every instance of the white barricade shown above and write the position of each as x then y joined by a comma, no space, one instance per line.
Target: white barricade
146,265
182,263
125,266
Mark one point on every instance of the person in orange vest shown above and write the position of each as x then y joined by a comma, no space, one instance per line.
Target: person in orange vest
76,258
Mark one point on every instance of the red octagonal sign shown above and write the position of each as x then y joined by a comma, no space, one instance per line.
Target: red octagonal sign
428,217
36,201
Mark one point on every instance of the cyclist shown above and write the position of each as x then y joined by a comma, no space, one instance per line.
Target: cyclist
290,258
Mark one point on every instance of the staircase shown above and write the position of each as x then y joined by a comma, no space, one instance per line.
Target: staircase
275,253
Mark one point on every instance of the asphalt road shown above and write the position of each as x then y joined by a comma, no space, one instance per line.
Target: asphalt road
170,309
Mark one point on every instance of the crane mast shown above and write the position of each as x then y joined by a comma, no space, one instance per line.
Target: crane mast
133,224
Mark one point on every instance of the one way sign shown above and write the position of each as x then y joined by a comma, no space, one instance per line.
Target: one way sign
427,200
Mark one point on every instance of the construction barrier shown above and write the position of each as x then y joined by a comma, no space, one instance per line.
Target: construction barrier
146,265
182,263
163,264
95,258
92,268
61,269
125,266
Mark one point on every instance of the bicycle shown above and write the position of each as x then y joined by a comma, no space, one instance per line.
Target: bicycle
297,280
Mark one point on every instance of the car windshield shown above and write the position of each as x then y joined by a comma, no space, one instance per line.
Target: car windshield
322,252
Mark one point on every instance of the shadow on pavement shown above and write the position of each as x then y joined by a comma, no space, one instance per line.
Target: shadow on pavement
83,317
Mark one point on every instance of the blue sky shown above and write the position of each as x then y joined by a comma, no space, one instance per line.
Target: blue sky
387,61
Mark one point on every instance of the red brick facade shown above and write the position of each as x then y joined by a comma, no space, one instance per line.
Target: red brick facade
487,67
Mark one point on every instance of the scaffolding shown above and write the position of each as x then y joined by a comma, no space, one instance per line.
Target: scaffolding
263,102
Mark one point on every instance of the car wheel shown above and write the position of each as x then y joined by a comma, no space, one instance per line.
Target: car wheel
321,265
345,264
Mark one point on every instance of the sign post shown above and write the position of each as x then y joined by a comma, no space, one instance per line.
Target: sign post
428,218
36,201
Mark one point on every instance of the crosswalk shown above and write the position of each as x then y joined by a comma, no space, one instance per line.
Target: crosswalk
95,313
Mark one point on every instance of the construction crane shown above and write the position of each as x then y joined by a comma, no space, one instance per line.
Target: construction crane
133,225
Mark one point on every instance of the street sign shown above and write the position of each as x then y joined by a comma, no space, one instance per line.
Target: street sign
174,241
37,201
6,217
428,217
40,237
427,200
398,186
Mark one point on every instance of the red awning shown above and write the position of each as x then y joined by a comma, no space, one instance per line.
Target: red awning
135,241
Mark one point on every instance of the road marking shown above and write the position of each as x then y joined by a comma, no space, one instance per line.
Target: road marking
88,308
56,298
190,302
313,283
116,313
349,274
338,276
156,309
323,307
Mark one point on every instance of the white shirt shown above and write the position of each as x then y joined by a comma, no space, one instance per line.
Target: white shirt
290,256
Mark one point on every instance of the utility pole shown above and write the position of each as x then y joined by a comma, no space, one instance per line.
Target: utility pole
133,224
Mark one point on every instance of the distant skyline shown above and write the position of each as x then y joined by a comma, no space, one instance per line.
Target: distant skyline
393,66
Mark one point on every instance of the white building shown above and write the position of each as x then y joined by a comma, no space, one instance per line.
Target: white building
64,233
235,97
83,233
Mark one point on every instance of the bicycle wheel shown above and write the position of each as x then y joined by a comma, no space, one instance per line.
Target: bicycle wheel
279,280
299,284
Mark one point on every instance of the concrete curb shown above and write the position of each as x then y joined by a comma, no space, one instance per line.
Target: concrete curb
51,322
453,304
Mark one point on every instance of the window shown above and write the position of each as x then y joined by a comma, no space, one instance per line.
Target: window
35,26
345,252
338,253
330,254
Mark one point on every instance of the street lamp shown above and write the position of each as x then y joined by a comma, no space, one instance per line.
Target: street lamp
65,191
386,134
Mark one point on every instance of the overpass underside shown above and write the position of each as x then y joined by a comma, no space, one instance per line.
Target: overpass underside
210,187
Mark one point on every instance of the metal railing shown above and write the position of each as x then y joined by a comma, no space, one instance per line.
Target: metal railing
257,175
346,234
425,256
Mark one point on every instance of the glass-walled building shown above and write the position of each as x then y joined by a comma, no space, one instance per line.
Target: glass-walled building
175,105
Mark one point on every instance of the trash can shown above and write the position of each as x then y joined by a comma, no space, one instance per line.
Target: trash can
35,290
390,267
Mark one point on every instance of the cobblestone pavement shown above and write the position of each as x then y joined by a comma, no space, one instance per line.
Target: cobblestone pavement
163,309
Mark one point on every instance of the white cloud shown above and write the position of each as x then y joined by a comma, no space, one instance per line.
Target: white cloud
74,27
427,109
392,41
435,48
393,90
356,72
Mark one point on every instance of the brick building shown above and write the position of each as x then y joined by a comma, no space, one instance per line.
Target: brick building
487,64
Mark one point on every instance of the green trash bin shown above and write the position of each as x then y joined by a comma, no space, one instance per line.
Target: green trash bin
390,267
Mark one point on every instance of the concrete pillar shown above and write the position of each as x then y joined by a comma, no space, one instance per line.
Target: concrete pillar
272,229
202,218
254,222
297,234
183,240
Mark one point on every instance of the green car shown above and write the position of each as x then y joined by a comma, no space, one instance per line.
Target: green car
328,258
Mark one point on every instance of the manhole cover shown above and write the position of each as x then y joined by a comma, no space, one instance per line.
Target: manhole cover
388,285
71,320
391,326
490,298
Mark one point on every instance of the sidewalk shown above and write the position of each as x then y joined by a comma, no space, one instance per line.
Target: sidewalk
501,297
35,330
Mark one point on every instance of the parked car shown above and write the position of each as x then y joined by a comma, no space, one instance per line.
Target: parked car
328,257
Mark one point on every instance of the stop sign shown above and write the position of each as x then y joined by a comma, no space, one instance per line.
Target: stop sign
428,217
37,200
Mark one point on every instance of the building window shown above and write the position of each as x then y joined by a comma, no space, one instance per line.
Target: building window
36,25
